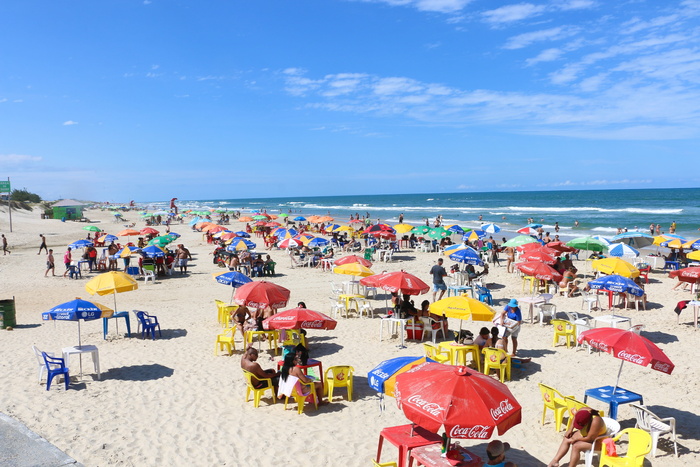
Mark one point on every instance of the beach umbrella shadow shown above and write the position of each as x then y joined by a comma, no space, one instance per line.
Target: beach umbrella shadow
148,372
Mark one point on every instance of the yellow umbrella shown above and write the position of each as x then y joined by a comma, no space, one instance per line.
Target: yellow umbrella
353,269
112,282
615,266
689,244
694,255
126,252
463,307
342,228
403,228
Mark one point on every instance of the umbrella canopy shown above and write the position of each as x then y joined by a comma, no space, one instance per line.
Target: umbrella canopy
352,259
623,249
77,310
108,238
242,233
377,228
373,280
439,232
245,219
587,243
467,403
605,240
560,247
300,219
382,378
80,244
628,347
153,251
455,229
262,294
285,233
691,274
463,307
353,269
402,282
539,271
290,243
539,255
128,233
148,231
520,240
163,240
467,255
239,244
473,235
490,228
616,283
111,282
635,239
694,255
127,251
615,266
527,231
317,242
92,228
300,318
232,278
402,228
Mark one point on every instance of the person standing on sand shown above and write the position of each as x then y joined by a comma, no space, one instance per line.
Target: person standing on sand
4,246
67,259
50,264
183,255
438,272
43,244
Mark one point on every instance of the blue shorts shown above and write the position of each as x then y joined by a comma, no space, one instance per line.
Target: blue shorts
437,287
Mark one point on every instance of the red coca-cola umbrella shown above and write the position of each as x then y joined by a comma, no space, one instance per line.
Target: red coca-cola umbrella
148,231
691,274
402,282
467,403
628,347
298,318
352,259
538,255
376,228
561,247
261,294
539,271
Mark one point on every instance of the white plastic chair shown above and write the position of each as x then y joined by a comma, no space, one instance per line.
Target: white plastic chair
364,307
637,329
590,299
149,275
338,307
651,423
582,324
428,326
388,256
547,310
612,428
40,362
336,289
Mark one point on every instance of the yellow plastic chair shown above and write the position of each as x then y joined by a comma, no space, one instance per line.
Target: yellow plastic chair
383,464
496,359
565,329
556,402
225,340
292,337
299,394
224,313
639,445
573,406
339,377
435,353
258,392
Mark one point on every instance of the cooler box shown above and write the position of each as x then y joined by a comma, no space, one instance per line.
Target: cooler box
414,331
132,270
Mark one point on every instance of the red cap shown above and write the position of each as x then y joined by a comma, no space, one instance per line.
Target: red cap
583,418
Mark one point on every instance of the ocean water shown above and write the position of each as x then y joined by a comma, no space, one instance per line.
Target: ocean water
599,212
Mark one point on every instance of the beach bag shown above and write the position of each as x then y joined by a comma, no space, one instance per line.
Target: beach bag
465,338
610,448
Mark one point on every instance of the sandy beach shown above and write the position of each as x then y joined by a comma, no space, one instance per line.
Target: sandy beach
172,401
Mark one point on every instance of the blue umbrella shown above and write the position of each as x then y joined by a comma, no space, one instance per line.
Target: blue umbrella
317,242
377,377
490,228
233,278
243,234
534,226
77,310
635,239
132,249
173,234
110,238
237,241
467,256
622,249
300,218
616,283
80,244
196,220
456,229
153,251
284,233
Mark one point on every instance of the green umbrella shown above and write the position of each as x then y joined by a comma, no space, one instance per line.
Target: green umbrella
284,214
520,240
423,229
163,240
439,232
92,228
260,218
587,243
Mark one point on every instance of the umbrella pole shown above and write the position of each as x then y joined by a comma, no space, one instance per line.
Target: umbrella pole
617,381
116,321
80,355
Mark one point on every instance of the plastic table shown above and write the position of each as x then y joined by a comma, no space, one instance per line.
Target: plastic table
81,349
393,321
458,353
430,455
406,438
119,314
613,320
621,396
460,289
532,301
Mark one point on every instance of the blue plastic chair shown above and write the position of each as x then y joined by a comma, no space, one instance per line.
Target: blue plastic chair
55,366
74,272
485,295
148,323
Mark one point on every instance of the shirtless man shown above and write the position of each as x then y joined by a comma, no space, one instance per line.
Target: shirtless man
249,363
183,255
240,315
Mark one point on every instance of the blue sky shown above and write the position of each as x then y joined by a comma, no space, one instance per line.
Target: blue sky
147,100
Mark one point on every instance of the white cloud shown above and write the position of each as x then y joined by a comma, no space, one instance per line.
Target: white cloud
18,159
69,122
547,55
552,34
438,6
574,4
512,13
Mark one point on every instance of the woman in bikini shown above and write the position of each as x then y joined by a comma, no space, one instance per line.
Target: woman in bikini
590,425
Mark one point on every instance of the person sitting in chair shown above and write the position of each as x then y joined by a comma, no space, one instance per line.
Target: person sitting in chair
250,364
496,453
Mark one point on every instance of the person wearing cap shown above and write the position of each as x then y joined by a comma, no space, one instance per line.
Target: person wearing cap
496,452
508,322
587,426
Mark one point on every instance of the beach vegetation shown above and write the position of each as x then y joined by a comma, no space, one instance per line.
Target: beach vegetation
25,195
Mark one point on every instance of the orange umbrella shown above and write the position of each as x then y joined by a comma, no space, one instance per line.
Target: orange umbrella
213,228
245,219
326,219
128,232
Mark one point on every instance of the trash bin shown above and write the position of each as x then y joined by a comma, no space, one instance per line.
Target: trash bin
7,313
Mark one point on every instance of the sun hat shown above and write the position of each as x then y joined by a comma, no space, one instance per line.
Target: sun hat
513,303
582,419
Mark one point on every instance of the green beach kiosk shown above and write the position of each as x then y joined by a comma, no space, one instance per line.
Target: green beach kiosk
68,209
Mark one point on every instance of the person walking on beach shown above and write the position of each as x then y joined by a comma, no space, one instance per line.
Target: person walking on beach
43,244
438,272
183,255
67,259
4,246
50,264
